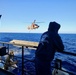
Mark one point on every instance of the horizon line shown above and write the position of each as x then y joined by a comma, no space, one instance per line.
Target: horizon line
40,32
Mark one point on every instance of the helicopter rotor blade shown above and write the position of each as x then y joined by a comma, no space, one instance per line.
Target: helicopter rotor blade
40,22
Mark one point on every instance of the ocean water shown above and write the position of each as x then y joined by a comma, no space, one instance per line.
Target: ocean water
69,41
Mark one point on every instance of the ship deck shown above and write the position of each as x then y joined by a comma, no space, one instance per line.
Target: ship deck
28,44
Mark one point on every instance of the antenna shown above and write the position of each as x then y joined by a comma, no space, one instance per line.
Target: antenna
0,16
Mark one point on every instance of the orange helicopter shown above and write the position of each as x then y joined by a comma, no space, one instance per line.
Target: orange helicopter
33,26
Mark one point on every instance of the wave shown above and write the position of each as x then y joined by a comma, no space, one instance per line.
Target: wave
6,39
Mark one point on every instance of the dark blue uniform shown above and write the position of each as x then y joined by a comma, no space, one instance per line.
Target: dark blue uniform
50,42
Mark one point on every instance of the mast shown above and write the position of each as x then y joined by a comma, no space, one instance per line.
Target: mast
0,16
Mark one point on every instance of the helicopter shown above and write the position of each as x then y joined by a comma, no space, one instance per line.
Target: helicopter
33,25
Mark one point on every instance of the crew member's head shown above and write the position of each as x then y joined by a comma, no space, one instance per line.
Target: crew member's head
53,27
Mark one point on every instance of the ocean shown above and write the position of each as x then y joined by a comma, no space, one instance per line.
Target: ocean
69,41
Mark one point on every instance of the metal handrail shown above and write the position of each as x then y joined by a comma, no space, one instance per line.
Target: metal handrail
68,53
22,45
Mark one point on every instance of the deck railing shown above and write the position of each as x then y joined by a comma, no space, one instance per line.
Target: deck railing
26,46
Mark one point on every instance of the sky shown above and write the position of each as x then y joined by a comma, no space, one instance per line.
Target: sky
17,15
